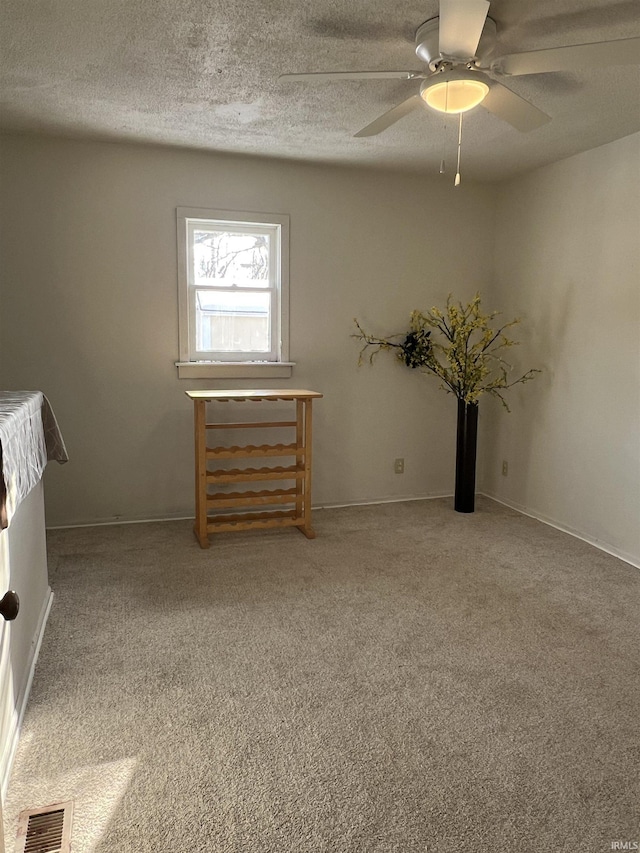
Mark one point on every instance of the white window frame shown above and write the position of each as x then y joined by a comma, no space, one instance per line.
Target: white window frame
194,364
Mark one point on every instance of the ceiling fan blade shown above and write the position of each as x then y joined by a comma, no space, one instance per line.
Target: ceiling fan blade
513,109
391,116
570,58
354,75
461,25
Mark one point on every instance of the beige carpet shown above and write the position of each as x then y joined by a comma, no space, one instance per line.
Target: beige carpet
412,680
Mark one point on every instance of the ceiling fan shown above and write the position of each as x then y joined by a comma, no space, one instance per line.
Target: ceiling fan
458,47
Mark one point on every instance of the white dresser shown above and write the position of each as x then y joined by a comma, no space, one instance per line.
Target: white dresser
29,437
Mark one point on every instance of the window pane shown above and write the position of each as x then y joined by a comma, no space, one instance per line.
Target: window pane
232,322
228,258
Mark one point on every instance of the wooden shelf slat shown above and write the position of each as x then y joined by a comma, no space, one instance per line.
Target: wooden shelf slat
222,500
250,450
252,520
250,516
247,475
256,425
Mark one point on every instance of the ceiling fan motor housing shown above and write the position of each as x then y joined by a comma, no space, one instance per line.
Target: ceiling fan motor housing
428,43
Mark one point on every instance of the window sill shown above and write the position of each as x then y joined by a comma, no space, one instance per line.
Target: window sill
234,369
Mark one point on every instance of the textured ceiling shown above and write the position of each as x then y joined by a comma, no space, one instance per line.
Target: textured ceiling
200,74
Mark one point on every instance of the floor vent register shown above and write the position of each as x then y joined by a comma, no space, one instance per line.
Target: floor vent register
45,830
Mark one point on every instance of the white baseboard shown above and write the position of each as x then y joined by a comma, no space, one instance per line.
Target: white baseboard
394,500
118,522
579,534
6,762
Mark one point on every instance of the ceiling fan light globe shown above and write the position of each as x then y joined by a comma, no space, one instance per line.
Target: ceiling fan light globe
454,96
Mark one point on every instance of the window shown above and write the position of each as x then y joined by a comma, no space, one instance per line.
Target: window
233,293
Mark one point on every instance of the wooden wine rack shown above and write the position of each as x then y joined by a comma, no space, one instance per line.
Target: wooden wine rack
255,508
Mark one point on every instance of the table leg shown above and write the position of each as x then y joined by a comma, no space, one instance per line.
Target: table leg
299,459
306,528
200,440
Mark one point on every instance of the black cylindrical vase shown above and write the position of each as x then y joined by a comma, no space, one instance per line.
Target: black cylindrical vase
466,456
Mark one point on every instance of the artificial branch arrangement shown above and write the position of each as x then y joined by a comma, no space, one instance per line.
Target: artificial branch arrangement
468,357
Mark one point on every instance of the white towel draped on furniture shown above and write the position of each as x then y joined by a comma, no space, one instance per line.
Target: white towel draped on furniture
29,437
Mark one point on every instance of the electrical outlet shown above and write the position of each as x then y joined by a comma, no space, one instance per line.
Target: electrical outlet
505,468
398,466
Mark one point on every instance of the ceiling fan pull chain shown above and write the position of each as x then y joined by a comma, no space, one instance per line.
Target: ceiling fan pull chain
456,183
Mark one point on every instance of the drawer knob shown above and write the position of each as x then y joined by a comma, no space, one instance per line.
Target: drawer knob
10,605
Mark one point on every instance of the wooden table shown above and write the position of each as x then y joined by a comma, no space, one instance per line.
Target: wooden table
253,507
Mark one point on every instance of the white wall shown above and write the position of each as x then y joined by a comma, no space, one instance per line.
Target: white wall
89,313
568,263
